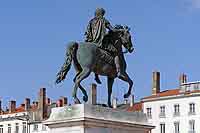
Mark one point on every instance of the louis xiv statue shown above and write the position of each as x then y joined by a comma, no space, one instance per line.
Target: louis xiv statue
96,30
100,53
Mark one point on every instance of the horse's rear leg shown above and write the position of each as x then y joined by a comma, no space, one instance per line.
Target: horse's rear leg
126,78
77,73
110,85
84,74
85,97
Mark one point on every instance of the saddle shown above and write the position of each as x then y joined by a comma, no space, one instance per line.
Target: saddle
106,50
105,56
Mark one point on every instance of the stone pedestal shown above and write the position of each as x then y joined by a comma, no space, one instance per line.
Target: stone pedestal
86,118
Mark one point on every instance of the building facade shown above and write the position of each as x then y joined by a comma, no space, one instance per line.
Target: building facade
175,110
17,123
28,118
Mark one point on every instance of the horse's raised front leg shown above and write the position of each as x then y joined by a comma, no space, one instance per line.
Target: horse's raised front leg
110,85
126,78
84,74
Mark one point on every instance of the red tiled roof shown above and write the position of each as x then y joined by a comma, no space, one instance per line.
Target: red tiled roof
172,92
20,109
136,107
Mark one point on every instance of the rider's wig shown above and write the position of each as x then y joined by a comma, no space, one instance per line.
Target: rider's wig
100,12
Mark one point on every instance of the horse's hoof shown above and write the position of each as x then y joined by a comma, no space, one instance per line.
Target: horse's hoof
109,105
85,98
77,101
127,95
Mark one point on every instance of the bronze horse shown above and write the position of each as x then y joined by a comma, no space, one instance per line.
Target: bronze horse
87,58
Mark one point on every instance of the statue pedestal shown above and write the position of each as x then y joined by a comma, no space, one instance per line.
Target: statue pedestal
86,118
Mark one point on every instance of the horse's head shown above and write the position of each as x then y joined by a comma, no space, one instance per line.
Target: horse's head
125,37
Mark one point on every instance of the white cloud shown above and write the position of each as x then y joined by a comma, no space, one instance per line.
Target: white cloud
192,4
196,3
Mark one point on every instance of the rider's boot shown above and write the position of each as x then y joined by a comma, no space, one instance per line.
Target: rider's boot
97,79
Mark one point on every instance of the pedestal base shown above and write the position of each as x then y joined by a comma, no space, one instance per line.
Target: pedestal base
85,118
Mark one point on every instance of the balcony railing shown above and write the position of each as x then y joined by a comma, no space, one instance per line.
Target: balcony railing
176,114
191,131
191,113
176,132
149,116
190,86
162,115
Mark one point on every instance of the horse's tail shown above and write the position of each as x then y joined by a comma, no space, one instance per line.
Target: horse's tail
70,53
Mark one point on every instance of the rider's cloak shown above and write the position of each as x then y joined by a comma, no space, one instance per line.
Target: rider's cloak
96,30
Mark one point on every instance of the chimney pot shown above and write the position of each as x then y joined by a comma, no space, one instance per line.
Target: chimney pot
1,107
59,103
36,103
125,101
64,101
182,79
23,106
156,83
27,103
48,101
12,106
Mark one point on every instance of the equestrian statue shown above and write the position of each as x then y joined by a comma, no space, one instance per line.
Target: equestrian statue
100,53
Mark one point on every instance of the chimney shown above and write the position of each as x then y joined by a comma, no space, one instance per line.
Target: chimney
27,103
114,103
59,103
182,79
35,103
132,100
48,101
93,94
42,103
53,105
125,101
64,101
12,106
156,83
23,106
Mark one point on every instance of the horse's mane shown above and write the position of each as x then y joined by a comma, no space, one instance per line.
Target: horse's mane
108,37
118,27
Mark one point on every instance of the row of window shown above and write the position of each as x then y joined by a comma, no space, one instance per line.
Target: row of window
35,127
191,87
176,110
177,127
24,128
16,128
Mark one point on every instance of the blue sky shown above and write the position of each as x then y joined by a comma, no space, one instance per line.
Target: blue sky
34,34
